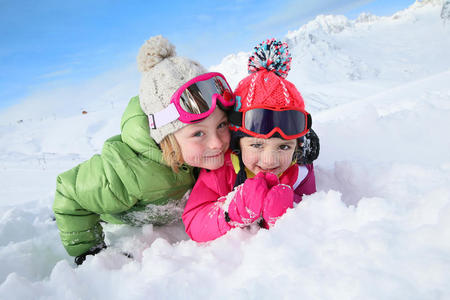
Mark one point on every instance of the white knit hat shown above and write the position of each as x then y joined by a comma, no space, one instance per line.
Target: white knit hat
162,74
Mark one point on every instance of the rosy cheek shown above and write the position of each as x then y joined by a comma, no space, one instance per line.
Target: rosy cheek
197,152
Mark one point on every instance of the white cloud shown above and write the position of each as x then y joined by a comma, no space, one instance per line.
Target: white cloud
55,73
204,18
298,12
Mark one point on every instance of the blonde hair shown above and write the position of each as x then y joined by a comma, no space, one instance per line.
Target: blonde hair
171,152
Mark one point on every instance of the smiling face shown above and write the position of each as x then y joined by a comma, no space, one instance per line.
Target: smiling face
204,144
272,155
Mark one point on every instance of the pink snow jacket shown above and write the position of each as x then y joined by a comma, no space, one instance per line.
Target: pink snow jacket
204,217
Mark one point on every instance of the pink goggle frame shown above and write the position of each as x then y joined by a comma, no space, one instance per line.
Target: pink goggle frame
195,100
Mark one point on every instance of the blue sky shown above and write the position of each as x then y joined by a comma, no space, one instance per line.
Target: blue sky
70,41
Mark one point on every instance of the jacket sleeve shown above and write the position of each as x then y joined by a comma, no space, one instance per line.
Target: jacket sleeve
203,216
92,188
307,185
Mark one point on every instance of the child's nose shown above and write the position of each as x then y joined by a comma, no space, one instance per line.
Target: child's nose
215,142
269,159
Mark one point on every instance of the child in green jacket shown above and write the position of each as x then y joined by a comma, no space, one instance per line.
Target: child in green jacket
144,174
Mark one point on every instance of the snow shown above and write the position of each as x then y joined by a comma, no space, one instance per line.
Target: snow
378,227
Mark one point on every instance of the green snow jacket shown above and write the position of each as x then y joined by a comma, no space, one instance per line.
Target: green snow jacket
128,183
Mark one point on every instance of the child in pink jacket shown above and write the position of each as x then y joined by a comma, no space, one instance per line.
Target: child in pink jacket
266,170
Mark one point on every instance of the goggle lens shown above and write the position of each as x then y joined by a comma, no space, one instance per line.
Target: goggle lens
262,121
197,98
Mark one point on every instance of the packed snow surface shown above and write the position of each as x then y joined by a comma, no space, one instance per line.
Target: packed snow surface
378,227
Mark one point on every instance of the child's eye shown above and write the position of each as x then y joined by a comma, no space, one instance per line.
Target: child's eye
256,146
285,147
223,125
198,134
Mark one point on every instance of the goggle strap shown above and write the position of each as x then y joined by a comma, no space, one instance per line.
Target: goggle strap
163,117
309,122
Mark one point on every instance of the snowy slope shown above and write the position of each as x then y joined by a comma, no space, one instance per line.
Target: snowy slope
378,228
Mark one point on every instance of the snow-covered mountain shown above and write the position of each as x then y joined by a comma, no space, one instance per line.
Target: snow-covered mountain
378,227
363,56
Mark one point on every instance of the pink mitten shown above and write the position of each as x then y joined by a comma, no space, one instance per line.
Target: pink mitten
278,200
271,179
246,201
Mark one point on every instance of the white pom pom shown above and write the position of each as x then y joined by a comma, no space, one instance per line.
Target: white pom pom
153,51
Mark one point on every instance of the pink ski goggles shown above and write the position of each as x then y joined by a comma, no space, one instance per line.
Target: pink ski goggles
195,100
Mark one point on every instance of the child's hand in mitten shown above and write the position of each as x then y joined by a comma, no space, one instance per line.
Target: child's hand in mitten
279,198
247,201
271,179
